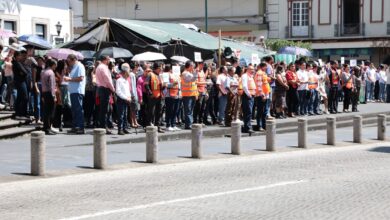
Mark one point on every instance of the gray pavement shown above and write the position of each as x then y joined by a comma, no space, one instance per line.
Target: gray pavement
327,183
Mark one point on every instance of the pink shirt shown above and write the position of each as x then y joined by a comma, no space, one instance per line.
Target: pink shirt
103,77
48,81
141,86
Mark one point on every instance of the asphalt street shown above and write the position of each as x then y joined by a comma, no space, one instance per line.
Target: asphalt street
15,154
327,183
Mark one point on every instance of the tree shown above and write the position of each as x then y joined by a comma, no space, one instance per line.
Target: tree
276,44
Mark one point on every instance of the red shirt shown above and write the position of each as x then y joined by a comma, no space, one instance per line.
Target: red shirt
291,76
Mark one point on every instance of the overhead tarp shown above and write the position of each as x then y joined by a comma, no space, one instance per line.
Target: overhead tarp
246,51
140,36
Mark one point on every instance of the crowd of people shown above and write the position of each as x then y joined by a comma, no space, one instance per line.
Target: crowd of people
114,94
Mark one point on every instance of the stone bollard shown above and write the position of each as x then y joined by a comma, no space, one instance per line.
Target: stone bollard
99,149
38,164
382,127
357,129
302,133
236,138
331,130
270,134
196,141
151,144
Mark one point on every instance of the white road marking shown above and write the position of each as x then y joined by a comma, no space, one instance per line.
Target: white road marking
204,196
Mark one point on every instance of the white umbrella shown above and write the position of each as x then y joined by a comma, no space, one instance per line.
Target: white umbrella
180,59
149,56
63,53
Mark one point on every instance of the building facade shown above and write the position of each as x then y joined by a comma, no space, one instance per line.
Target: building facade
354,29
238,19
38,17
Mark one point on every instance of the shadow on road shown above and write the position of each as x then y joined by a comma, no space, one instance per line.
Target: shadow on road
22,174
381,149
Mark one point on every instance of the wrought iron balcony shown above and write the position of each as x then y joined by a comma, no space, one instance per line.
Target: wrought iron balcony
357,29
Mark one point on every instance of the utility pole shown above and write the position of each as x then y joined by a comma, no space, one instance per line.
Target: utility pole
206,16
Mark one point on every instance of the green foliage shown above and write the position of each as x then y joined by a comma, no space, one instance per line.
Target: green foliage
276,44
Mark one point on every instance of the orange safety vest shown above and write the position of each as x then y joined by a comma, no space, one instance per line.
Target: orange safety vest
174,90
155,84
251,85
188,89
201,82
240,90
335,78
313,82
348,84
262,80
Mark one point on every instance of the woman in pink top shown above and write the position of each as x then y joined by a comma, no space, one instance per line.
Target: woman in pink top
143,96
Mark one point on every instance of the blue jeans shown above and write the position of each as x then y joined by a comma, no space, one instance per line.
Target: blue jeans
388,93
262,111
77,110
21,99
222,107
247,106
189,104
171,109
369,90
302,96
313,101
122,114
38,114
382,91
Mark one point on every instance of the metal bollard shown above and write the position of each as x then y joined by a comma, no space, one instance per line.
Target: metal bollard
151,144
331,130
38,163
382,127
302,133
236,138
357,129
99,149
196,141
270,135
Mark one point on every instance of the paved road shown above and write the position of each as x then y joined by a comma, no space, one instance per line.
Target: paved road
329,183
15,154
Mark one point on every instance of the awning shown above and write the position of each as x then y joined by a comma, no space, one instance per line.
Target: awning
343,52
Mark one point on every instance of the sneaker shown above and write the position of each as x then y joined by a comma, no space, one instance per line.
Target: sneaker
120,132
54,130
170,129
126,131
80,131
176,128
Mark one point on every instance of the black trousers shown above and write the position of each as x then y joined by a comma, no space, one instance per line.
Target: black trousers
48,108
292,100
347,98
355,98
200,109
104,98
333,99
154,111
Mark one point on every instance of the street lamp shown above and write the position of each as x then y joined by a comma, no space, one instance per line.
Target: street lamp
58,27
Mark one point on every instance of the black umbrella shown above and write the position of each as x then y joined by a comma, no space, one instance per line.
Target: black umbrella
114,52
387,60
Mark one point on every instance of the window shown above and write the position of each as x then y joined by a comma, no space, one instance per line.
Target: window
300,18
10,25
40,30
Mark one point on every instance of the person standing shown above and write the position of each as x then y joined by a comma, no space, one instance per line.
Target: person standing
172,100
313,87
382,83
262,96
388,85
292,93
370,75
20,80
143,96
154,88
222,95
281,86
334,77
231,107
76,88
303,88
189,92
269,60
347,85
123,98
104,90
357,82
249,91
134,105
322,80
48,84
200,105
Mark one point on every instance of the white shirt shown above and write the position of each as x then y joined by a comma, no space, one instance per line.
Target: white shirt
382,77
303,77
388,76
221,80
123,89
244,81
372,75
